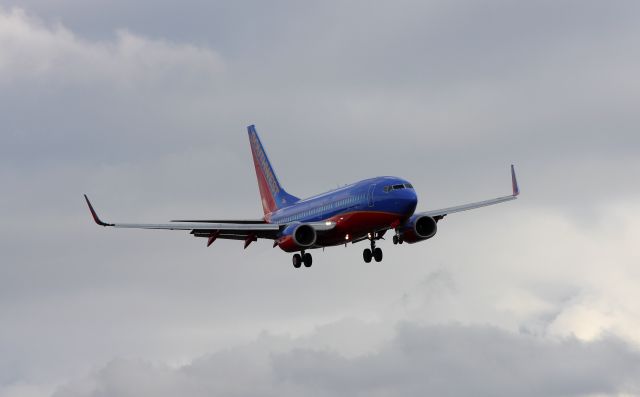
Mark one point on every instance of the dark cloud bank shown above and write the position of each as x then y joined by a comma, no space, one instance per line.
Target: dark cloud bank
444,360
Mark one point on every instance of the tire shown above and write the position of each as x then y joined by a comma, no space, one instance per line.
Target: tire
395,240
307,259
366,255
377,254
297,260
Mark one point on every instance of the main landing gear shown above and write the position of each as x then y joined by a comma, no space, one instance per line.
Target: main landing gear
375,253
305,258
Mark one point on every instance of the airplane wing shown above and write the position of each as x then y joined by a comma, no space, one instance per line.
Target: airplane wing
441,213
247,230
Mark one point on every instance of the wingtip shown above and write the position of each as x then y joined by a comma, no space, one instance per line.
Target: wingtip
96,219
514,182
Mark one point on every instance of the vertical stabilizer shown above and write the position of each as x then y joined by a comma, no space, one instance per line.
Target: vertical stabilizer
272,194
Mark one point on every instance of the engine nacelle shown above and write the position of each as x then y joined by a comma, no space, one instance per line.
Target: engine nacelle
418,228
296,237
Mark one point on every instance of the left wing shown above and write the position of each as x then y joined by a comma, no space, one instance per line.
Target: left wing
246,230
441,213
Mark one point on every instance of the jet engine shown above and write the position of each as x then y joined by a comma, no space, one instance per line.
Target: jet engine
418,228
296,237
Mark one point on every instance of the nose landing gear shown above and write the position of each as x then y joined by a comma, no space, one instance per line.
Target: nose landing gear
375,253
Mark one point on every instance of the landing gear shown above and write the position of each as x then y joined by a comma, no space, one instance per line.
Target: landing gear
397,239
375,253
299,259
307,259
366,255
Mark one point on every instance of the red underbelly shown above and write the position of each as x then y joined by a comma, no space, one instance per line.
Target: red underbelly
355,225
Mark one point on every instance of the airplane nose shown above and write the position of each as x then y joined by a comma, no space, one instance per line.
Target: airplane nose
408,202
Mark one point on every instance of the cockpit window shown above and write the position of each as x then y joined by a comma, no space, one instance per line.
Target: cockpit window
389,188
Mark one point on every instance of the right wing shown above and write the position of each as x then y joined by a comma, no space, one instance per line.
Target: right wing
246,230
441,213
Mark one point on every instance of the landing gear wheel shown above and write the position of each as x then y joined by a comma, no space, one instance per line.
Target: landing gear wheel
297,260
377,254
307,259
366,255
395,240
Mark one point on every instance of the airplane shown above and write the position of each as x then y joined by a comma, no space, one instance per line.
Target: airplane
364,210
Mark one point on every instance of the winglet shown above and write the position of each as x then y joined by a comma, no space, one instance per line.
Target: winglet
94,214
514,182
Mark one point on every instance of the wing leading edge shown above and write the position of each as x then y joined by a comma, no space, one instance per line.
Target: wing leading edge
242,230
440,213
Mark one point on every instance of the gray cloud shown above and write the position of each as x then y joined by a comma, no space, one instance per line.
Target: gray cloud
548,86
143,106
447,360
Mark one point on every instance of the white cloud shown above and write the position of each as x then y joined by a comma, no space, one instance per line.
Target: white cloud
39,54
553,323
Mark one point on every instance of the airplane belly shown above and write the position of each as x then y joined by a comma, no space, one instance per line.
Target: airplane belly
352,225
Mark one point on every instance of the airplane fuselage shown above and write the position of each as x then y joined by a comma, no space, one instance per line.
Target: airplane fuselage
357,209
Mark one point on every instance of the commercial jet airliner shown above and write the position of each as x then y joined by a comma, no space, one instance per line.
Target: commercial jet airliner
364,210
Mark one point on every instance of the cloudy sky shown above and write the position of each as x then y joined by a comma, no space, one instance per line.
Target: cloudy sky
143,106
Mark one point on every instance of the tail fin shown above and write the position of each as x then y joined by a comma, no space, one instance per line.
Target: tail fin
273,195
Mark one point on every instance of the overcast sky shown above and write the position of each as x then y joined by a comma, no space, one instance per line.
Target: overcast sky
144,106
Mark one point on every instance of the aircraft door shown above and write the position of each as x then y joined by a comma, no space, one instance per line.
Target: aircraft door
371,188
